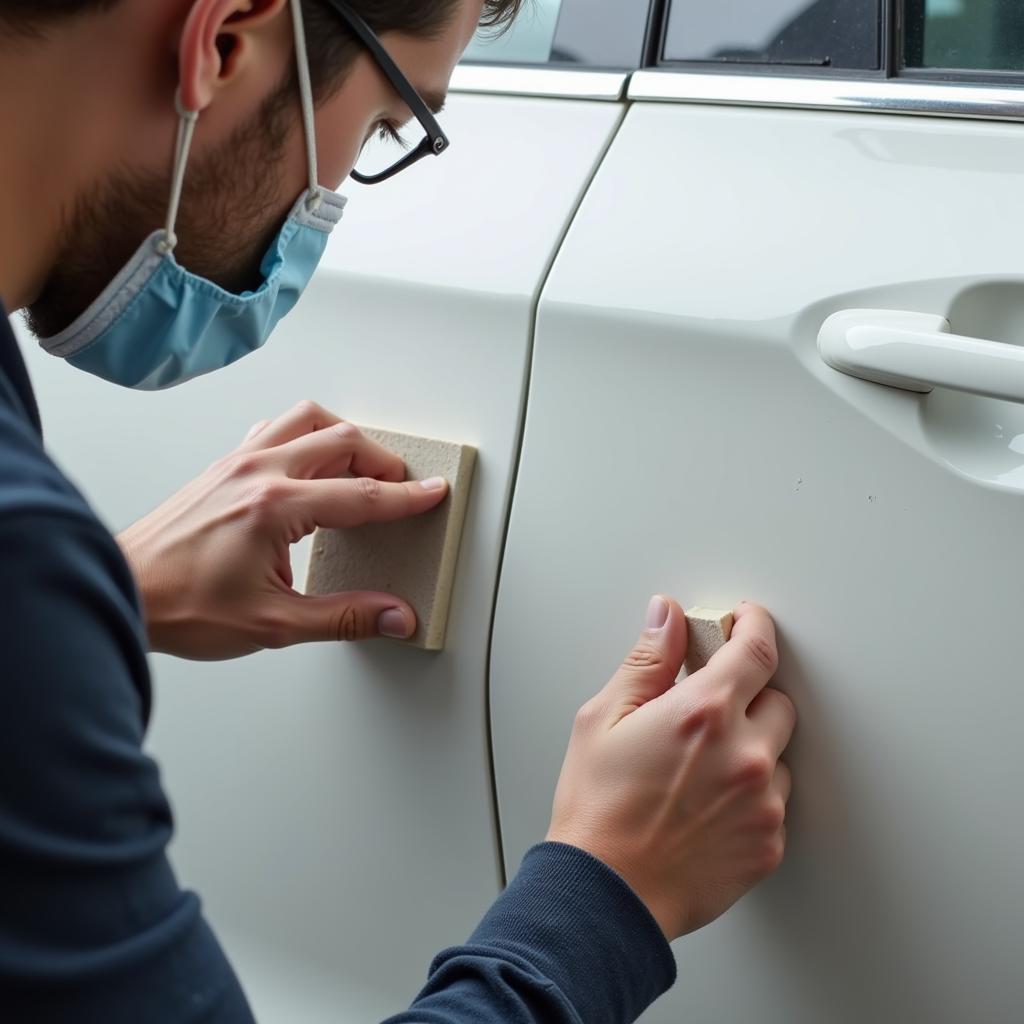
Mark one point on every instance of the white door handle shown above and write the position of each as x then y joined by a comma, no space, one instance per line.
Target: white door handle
916,352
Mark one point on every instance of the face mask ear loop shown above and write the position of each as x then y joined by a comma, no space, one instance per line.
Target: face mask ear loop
186,128
308,109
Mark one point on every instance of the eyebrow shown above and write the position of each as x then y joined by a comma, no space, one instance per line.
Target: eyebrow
435,101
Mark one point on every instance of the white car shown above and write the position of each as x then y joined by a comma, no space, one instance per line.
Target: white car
614,286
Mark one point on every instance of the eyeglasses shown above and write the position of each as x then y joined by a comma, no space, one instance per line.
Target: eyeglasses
435,142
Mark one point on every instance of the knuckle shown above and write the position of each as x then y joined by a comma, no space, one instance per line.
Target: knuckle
266,497
762,653
588,716
772,856
348,623
754,771
644,656
243,465
772,816
369,489
709,717
307,409
785,703
347,432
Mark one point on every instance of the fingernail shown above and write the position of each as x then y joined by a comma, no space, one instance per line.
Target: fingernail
435,483
394,624
657,613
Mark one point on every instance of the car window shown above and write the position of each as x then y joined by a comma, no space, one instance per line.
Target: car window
973,35
528,41
810,33
613,38
569,32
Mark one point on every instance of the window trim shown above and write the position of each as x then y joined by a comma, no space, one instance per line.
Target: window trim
872,95
894,89
868,95
558,82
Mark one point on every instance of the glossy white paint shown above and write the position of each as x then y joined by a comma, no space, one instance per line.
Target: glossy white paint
334,805
916,352
684,435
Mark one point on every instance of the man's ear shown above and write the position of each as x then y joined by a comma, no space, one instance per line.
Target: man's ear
214,41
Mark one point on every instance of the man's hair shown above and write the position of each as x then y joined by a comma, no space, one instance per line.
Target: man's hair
331,46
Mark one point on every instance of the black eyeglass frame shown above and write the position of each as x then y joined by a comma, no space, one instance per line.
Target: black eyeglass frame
435,142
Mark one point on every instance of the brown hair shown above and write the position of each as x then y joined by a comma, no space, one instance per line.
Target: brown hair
331,51
331,46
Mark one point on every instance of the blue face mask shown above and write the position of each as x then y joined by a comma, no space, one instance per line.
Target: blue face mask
156,325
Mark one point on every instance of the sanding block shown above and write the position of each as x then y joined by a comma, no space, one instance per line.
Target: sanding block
709,632
413,558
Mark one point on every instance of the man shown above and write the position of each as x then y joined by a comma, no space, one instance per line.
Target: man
163,205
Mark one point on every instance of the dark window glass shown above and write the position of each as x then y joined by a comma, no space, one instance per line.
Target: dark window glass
973,35
602,33
812,33
605,34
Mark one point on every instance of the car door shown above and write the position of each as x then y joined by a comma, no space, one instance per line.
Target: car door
334,805
785,162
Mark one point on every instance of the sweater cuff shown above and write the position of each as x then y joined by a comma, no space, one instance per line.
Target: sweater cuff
580,925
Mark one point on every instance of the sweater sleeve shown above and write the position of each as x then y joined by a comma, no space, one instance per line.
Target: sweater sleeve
94,926
568,942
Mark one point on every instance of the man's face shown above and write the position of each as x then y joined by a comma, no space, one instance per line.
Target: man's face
240,186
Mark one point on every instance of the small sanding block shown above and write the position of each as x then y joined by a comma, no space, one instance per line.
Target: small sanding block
709,632
413,558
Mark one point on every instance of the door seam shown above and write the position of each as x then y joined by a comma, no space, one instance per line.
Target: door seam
556,250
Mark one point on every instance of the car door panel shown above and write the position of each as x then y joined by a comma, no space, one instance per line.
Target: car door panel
683,435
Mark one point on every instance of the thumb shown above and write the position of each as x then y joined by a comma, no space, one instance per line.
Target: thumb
655,662
356,615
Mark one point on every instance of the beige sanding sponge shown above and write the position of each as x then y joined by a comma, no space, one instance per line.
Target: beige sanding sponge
413,558
709,632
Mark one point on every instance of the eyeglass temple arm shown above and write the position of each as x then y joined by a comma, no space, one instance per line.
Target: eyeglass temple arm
402,85
425,148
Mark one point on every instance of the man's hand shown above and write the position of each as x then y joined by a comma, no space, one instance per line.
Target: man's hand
680,788
213,563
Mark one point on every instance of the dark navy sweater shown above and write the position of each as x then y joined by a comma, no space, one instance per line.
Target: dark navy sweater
94,928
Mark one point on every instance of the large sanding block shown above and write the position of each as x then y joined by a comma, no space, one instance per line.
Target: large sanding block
414,558
709,632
